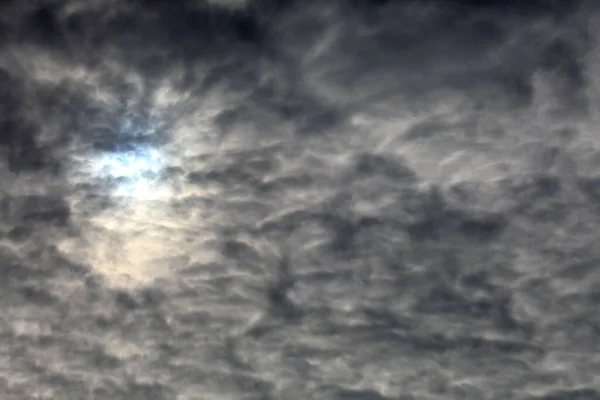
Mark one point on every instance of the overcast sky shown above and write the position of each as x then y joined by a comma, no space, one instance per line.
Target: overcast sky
117,115
143,143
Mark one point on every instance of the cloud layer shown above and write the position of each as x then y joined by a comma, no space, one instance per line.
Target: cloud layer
255,186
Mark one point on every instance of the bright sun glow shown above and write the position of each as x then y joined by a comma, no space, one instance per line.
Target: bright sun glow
137,172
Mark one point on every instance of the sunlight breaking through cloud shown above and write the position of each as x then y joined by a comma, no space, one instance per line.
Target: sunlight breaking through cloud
136,171
260,198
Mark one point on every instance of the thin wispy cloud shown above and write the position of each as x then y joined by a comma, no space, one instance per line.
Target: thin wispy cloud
219,199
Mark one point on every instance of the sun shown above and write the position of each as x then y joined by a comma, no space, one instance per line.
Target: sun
134,173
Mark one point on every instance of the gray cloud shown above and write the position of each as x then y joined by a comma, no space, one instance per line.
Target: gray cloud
241,191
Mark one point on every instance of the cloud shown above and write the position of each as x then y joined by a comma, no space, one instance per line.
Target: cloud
122,103
260,160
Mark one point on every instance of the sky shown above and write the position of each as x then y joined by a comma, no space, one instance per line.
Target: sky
114,112
152,145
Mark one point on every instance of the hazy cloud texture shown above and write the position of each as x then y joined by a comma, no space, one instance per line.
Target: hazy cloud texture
342,199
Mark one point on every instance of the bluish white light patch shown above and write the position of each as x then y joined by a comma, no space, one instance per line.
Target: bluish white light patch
136,171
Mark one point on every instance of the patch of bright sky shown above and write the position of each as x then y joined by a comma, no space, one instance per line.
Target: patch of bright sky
137,172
